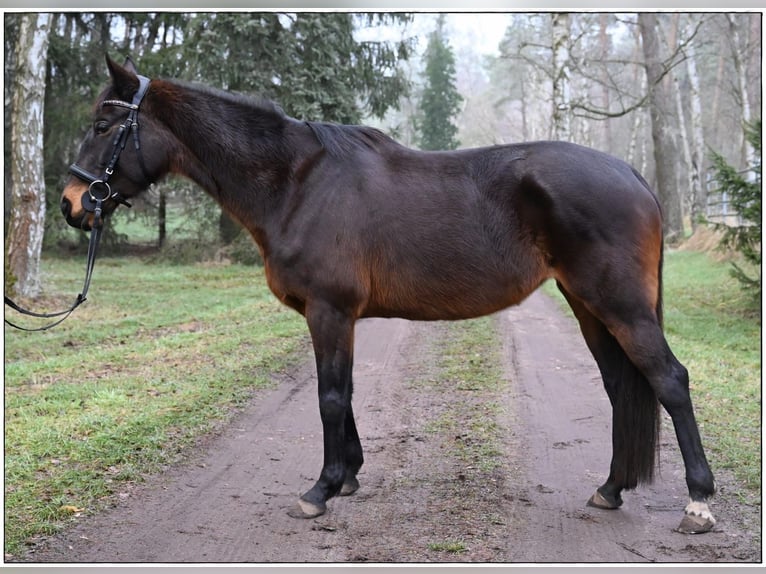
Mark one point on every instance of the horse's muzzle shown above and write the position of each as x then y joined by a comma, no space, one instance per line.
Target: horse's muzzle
72,208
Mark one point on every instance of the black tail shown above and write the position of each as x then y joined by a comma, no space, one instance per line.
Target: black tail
636,418
635,428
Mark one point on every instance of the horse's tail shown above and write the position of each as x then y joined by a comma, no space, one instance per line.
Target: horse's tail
636,424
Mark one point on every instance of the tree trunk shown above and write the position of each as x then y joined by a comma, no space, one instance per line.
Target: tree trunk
11,33
683,136
683,141
719,81
755,62
660,107
27,222
605,46
697,166
637,127
744,96
562,123
524,126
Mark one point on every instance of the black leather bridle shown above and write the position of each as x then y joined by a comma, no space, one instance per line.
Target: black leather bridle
97,193
98,188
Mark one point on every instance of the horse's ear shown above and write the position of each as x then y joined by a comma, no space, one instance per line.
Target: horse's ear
124,78
130,65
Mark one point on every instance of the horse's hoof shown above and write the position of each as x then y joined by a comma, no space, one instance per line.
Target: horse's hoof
305,509
697,518
599,501
692,524
349,487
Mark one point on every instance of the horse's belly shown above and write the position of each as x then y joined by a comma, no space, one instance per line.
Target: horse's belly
448,297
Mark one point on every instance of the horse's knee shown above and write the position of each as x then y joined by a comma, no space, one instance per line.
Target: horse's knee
672,390
332,408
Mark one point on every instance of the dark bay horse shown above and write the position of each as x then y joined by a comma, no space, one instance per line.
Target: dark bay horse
351,224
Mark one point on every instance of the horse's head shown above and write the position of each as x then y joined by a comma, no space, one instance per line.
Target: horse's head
117,161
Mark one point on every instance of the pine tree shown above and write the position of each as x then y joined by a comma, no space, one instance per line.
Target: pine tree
440,101
744,192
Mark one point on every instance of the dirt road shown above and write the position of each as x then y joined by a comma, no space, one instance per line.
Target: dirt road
418,502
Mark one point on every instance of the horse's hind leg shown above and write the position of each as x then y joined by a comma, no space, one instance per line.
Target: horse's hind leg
645,344
634,324
634,407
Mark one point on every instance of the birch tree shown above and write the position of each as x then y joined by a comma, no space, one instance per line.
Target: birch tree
739,59
604,41
634,156
562,113
697,165
26,227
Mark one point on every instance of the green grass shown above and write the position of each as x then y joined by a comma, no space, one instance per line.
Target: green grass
714,332
448,546
470,370
157,356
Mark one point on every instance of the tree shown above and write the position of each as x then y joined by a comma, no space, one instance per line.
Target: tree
27,220
697,167
562,112
739,59
744,192
440,101
310,63
665,151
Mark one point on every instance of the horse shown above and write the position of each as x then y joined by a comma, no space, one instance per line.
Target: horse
351,224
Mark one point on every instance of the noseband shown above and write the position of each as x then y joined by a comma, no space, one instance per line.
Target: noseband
98,186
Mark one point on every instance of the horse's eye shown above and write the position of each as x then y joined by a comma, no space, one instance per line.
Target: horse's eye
101,127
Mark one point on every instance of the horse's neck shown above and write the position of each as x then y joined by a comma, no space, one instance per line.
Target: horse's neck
226,144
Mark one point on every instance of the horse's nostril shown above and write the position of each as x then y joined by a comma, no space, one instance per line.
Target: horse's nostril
66,207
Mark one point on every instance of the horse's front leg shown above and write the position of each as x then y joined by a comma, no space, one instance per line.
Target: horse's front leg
332,334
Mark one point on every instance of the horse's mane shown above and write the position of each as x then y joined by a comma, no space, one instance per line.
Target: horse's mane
340,140
336,139
269,110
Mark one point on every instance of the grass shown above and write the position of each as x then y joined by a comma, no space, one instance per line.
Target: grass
448,546
713,330
461,376
157,356
470,371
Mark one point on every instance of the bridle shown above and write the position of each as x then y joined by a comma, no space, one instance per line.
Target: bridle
93,198
91,201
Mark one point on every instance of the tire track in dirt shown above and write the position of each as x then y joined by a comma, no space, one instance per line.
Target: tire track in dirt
228,505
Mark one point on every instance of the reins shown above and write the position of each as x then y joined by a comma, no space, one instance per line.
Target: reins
95,237
93,202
